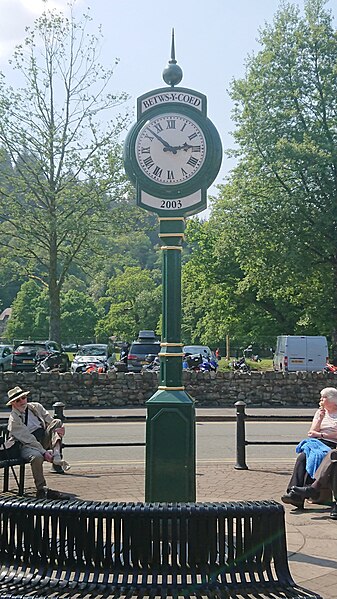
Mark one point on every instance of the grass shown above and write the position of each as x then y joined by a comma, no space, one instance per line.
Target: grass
265,364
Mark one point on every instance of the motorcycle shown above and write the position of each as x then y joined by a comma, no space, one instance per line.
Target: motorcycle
153,363
240,365
330,368
199,363
53,362
97,365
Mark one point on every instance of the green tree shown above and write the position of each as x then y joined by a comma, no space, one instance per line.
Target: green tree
66,170
29,318
216,300
132,302
79,317
281,197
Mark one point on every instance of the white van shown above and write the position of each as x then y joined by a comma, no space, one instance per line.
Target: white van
309,353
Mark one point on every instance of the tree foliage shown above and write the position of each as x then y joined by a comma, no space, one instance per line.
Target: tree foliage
132,302
279,206
63,173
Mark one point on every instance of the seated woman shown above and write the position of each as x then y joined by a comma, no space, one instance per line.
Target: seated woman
325,479
324,429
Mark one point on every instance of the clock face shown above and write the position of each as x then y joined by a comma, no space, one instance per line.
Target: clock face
170,149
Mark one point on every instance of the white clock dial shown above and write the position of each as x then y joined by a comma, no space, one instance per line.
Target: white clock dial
170,149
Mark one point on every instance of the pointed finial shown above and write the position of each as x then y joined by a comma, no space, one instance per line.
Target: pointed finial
172,74
173,54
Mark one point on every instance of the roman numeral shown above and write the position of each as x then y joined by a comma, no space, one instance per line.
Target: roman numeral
183,172
183,127
146,150
192,136
192,161
158,127
148,162
157,171
170,175
196,149
171,124
148,137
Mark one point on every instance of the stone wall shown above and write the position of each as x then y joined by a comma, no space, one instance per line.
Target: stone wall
208,389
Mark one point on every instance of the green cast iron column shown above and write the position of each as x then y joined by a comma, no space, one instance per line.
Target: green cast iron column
170,424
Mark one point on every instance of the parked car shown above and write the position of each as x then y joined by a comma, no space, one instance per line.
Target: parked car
28,354
204,350
6,352
93,353
145,345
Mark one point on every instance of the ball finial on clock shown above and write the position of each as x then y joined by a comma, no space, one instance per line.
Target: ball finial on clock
172,74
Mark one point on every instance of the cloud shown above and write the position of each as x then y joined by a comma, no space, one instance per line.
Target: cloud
16,15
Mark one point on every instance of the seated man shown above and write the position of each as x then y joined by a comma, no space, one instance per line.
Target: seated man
325,478
40,436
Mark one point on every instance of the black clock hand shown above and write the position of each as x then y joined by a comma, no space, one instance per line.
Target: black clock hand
184,147
167,148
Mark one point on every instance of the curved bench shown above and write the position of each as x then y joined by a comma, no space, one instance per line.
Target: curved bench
99,549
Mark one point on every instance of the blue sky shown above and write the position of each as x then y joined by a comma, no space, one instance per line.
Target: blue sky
213,40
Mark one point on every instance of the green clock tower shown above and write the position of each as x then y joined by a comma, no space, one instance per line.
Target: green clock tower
172,154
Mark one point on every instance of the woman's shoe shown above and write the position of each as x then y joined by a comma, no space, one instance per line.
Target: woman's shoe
293,499
333,513
306,492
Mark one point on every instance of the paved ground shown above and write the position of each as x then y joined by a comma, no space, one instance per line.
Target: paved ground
311,535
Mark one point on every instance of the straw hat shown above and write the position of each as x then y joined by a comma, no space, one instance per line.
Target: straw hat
14,394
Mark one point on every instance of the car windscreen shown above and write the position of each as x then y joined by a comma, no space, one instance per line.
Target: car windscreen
28,348
92,351
197,349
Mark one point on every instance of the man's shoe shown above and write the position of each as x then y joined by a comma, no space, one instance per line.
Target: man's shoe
306,492
333,513
51,494
292,498
41,494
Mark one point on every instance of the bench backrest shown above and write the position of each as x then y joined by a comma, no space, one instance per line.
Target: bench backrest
163,543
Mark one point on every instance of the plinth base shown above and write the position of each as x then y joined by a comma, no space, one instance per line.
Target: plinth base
170,447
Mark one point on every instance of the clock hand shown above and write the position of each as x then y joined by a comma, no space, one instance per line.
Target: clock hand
167,147
184,147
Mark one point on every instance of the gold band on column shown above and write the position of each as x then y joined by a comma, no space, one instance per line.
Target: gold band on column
171,247
162,388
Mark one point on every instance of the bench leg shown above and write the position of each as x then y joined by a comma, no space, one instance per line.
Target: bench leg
6,479
22,479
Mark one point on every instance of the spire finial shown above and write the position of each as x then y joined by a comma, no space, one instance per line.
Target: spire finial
172,74
173,54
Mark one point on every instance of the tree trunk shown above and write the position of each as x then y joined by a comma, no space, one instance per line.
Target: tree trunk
53,288
334,317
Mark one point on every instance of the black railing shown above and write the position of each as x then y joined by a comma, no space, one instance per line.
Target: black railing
242,442
240,418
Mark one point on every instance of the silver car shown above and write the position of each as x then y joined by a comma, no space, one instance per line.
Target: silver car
6,352
204,350
93,353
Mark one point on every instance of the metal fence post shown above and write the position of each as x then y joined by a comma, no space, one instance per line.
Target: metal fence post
58,410
240,436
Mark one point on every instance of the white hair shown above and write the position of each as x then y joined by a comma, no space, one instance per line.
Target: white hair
331,394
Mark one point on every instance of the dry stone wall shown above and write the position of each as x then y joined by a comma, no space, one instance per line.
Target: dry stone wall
119,389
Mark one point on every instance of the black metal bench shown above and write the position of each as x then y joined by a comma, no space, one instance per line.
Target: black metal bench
8,464
82,549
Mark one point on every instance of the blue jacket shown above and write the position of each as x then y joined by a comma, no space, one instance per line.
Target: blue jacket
315,452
